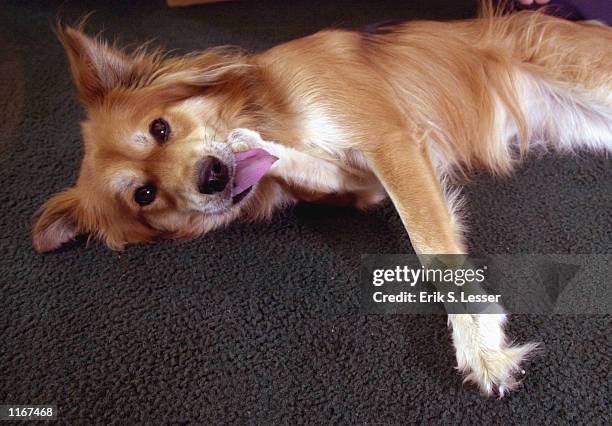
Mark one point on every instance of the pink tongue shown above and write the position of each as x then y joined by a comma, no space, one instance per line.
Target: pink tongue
251,166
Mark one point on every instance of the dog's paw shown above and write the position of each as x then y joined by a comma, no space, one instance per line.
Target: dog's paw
484,357
496,371
244,139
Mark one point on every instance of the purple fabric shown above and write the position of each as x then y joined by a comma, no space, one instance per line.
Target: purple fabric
574,10
378,27
578,10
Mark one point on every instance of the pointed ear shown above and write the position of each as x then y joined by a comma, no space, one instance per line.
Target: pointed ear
56,224
96,67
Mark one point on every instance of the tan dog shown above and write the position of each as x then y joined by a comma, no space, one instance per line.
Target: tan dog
353,116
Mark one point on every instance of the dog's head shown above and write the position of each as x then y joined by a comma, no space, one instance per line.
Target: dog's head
156,162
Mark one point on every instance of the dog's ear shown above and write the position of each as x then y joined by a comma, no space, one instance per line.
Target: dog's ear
57,223
96,66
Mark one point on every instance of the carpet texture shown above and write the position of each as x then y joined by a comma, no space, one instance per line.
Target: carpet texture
260,324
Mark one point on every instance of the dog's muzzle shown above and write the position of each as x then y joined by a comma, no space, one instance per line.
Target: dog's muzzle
213,175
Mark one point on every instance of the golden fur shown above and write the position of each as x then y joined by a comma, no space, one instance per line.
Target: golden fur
353,116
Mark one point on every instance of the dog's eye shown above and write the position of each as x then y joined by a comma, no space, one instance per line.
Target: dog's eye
145,195
160,129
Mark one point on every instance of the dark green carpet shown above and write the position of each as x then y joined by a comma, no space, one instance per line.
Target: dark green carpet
260,323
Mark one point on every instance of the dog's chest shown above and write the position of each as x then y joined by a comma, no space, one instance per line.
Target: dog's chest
321,129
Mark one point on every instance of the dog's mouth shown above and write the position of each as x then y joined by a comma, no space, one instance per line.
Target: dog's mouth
238,198
249,167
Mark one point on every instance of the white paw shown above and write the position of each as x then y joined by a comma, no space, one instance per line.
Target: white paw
244,139
484,356
495,371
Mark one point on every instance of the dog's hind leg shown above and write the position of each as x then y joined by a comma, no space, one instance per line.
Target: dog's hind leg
483,352
566,117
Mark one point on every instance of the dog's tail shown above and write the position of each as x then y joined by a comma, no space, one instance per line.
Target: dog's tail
559,93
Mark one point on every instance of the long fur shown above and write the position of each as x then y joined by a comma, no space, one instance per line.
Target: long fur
354,116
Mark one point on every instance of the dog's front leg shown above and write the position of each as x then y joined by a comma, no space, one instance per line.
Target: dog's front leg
405,170
293,166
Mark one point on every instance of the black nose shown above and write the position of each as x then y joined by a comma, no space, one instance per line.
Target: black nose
213,175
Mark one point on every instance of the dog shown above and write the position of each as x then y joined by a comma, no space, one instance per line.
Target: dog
348,117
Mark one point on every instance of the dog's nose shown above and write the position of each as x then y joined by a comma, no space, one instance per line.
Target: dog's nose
213,175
